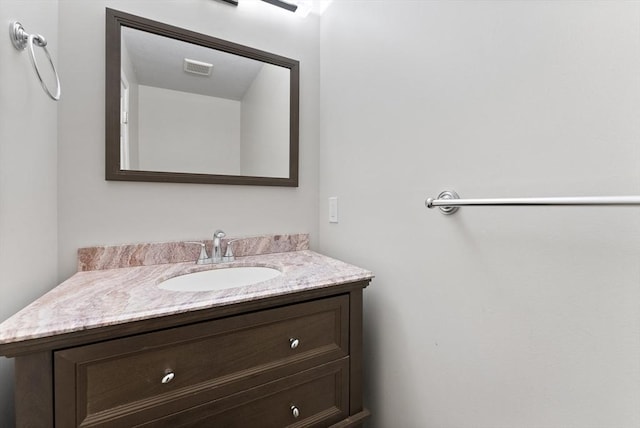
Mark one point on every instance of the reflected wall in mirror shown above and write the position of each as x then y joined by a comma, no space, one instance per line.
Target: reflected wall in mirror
186,107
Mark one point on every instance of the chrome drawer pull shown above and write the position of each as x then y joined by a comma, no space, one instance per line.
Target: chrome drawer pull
295,411
294,343
168,377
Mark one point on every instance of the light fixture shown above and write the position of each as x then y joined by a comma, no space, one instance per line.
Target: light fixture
283,4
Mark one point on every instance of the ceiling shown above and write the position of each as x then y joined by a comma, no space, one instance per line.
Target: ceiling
232,75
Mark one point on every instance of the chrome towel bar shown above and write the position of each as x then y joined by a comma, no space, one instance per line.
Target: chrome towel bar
449,202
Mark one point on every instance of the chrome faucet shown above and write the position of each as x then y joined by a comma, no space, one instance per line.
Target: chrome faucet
216,251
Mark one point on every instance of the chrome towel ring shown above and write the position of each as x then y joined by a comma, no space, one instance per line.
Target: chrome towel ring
21,39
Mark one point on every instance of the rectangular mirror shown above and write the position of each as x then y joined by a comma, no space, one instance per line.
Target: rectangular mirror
190,108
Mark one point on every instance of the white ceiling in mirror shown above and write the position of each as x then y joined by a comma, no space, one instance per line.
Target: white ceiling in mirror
230,78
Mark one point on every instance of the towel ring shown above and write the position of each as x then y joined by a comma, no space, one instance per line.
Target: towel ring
21,40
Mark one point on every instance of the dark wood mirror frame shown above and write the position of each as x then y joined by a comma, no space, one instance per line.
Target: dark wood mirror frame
114,21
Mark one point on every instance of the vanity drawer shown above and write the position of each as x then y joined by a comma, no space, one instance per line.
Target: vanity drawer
318,397
188,365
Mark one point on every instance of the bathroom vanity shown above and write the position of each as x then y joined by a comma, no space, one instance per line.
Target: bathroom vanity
109,348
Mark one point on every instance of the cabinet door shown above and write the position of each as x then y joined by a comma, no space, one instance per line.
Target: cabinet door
313,398
128,381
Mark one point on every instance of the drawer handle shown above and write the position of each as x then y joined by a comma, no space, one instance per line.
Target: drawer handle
168,377
293,343
295,412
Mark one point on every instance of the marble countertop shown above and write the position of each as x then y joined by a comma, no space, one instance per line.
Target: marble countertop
98,298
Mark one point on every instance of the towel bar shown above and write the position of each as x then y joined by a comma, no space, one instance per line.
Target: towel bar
449,202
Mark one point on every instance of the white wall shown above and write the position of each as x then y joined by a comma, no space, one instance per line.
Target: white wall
265,124
95,211
493,317
186,132
28,164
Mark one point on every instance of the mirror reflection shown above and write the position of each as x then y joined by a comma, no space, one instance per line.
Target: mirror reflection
193,108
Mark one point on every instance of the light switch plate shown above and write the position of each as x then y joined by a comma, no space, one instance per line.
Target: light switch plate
333,209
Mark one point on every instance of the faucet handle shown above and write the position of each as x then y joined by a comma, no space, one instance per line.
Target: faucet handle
228,254
203,257
219,234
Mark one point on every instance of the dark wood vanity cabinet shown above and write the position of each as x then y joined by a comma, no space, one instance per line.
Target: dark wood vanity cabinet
290,361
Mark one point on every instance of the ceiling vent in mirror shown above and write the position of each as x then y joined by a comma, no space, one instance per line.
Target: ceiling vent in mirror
197,67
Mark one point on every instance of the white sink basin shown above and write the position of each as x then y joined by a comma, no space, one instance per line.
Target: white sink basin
220,279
